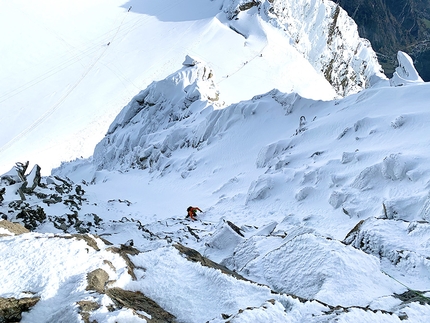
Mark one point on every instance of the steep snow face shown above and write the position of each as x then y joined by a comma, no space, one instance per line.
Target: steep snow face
62,86
324,165
327,200
324,33
142,131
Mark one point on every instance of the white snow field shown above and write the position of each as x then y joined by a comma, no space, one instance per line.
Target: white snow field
62,84
316,207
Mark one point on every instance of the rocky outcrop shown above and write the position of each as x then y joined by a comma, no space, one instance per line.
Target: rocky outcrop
13,228
139,302
85,309
11,308
195,256
28,182
17,188
96,280
124,251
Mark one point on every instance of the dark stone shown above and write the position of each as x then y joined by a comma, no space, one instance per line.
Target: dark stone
124,251
29,187
195,256
411,296
11,308
235,228
139,302
2,191
32,217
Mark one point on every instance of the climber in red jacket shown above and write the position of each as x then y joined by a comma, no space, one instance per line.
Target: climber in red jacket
192,212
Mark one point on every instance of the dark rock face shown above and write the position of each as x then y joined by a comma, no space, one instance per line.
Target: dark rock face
11,308
49,190
139,302
195,256
393,25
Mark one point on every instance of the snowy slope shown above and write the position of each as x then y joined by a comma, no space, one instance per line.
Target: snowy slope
314,211
63,82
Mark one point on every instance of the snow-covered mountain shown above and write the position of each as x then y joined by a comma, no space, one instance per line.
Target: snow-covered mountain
326,36
63,83
315,206
314,211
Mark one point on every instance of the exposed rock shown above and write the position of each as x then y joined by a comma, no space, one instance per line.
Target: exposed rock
352,234
32,180
326,36
87,238
195,256
85,308
32,217
14,228
139,302
248,5
11,308
235,228
2,191
21,168
97,280
124,251
413,296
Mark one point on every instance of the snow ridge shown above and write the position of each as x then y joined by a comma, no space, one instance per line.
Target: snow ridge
142,129
326,36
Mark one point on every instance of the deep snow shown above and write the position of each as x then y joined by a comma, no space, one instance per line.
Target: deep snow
62,84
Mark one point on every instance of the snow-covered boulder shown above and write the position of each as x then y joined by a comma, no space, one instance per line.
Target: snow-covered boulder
405,73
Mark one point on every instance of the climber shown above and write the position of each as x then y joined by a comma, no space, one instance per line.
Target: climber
192,210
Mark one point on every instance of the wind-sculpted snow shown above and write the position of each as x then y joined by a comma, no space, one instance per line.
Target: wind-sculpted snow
324,33
320,266
404,247
405,73
139,134
313,211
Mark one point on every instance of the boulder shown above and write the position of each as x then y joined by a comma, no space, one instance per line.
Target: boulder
13,228
139,302
11,308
